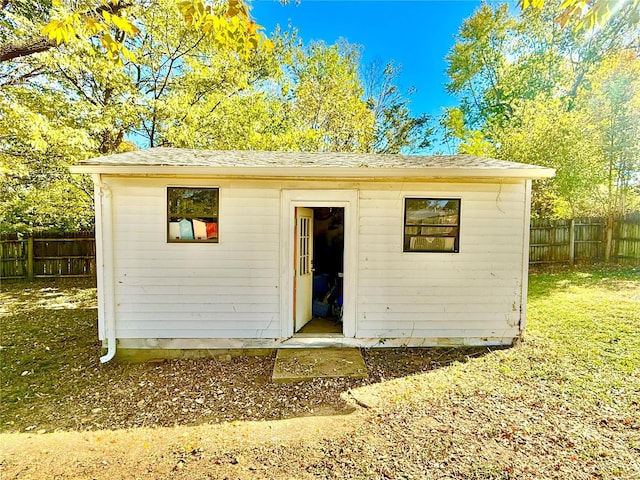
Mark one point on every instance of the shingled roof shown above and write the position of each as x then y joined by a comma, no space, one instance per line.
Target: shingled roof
161,160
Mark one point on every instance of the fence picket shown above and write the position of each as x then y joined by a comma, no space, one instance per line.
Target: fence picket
48,255
588,241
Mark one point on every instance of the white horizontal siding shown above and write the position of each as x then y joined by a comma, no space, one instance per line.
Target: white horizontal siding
475,292
198,331
232,289
201,272
173,265
165,285
199,308
229,302
454,332
242,320
402,308
426,320
196,290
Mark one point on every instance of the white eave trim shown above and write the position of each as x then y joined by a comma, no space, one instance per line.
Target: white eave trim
313,173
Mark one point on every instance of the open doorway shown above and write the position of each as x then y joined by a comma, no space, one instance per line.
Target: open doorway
319,279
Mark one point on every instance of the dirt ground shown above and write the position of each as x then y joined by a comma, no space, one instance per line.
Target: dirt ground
268,449
206,418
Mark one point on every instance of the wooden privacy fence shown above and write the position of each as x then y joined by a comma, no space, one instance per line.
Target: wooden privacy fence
583,240
48,255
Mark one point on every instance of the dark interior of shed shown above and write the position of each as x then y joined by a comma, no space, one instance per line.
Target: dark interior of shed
328,264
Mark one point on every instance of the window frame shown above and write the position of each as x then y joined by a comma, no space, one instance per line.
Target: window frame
215,215
406,237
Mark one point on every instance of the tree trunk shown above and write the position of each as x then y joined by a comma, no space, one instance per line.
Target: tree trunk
608,243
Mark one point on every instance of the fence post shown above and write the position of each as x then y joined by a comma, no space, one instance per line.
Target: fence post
572,241
30,257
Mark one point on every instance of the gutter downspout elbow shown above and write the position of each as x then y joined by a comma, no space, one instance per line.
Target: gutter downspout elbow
104,235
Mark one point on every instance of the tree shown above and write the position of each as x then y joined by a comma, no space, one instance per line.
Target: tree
547,134
613,103
324,88
39,136
37,26
524,86
182,74
476,62
395,128
589,13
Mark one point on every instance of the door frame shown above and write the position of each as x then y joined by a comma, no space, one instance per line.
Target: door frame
290,199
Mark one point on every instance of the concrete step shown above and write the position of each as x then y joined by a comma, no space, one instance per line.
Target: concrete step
299,364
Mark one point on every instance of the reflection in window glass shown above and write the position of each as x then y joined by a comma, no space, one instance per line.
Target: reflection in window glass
431,225
192,214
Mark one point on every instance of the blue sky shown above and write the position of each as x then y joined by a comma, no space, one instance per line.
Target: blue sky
415,34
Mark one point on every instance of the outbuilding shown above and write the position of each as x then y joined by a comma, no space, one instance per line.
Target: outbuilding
201,250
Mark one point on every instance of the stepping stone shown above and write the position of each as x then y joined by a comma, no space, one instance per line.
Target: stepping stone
299,364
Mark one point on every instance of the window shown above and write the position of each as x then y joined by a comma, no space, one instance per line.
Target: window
431,225
192,214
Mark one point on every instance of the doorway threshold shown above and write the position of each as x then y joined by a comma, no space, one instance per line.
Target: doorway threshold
318,335
318,341
321,327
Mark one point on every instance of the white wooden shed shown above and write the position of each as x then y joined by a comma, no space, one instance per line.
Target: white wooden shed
242,249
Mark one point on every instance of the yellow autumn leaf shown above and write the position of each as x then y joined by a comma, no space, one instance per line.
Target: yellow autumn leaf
93,26
124,25
69,32
128,54
268,45
58,31
59,35
49,28
207,26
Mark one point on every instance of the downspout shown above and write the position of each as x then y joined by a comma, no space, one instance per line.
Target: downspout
104,248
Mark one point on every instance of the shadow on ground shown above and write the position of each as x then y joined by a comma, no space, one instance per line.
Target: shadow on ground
550,279
52,378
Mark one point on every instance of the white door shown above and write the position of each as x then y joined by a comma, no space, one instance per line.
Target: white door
303,281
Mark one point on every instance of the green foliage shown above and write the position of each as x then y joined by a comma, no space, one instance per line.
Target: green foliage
469,141
396,130
549,135
477,60
179,86
40,136
533,92
590,14
613,104
327,97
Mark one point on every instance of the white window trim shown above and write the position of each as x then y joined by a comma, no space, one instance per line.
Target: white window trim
166,214
427,196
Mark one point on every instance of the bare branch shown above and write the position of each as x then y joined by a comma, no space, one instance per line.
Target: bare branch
25,47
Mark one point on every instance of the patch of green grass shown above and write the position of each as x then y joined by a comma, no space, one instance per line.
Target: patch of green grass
564,403
47,335
584,332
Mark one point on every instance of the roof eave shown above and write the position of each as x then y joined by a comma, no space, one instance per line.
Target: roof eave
316,172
